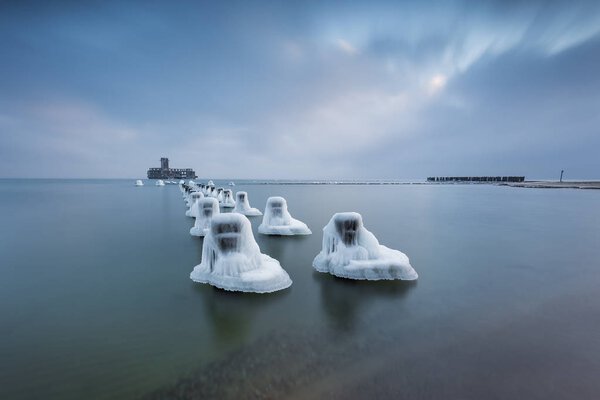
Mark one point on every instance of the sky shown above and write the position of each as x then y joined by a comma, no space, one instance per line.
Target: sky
300,90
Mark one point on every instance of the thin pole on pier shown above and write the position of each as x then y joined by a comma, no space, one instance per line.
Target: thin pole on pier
561,174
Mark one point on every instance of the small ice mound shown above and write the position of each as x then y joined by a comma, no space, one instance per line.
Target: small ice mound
188,197
139,183
351,251
210,183
228,201
231,259
212,192
278,221
242,205
220,194
181,182
160,182
191,182
193,210
207,208
231,184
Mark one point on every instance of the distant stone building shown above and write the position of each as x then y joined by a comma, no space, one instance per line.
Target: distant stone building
164,172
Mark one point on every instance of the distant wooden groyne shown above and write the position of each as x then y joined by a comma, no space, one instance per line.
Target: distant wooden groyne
476,179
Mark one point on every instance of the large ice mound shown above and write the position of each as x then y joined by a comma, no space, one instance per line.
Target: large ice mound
193,210
207,208
228,201
278,221
139,183
351,251
242,205
232,260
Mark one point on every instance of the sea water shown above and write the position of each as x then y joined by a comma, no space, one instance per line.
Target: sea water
96,300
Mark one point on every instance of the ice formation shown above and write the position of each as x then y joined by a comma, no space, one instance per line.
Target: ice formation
228,201
211,183
231,259
207,208
212,192
191,182
193,210
242,205
278,221
139,183
160,182
181,182
188,197
220,194
351,251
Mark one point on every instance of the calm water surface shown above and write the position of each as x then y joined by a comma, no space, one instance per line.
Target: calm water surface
96,300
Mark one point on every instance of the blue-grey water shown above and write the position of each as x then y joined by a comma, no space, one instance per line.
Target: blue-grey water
96,300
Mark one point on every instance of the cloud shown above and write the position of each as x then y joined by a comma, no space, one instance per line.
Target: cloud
346,47
282,90
64,135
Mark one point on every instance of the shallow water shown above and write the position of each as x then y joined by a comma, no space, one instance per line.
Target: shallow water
96,300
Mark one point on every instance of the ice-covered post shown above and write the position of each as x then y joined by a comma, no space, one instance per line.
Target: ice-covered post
208,207
350,251
278,221
242,205
228,201
231,259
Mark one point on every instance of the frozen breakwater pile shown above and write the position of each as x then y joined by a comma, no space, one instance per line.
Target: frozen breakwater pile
232,260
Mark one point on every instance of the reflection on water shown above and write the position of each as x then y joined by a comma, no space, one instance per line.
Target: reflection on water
345,300
231,314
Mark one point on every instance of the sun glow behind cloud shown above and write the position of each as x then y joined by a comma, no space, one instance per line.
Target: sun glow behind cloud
346,47
437,83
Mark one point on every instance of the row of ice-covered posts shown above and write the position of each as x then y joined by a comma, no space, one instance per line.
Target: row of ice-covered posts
349,250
